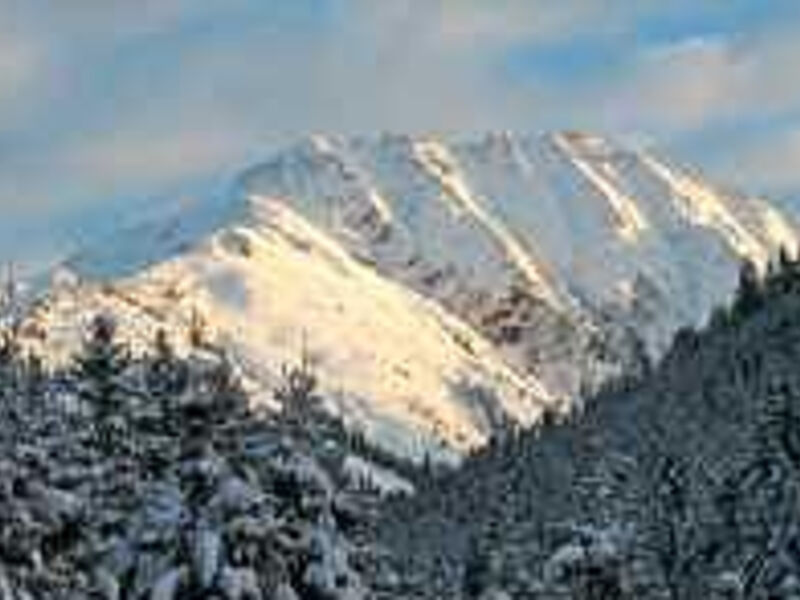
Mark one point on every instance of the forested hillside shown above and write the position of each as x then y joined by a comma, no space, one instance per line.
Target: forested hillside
682,484
150,476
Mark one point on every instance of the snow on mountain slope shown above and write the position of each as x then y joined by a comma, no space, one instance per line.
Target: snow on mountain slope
557,248
440,285
435,159
272,286
628,219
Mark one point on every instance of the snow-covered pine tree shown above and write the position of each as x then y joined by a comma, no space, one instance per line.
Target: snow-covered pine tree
297,391
98,369
166,377
212,400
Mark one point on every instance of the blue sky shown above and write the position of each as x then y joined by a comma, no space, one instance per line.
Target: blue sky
108,107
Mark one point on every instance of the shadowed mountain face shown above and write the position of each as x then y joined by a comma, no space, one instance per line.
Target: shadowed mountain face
440,287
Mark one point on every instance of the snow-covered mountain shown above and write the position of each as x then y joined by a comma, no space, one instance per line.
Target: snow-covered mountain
439,286
556,248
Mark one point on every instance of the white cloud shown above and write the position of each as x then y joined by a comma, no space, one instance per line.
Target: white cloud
133,160
767,163
143,120
701,82
22,62
105,19
462,23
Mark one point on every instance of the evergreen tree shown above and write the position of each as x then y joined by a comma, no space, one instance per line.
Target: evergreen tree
166,378
785,261
212,399
483,562
297,393
749,296
99,368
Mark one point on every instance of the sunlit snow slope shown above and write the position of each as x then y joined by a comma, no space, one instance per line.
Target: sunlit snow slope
440,286
271,288
557,248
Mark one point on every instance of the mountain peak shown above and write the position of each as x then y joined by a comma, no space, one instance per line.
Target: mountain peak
446,284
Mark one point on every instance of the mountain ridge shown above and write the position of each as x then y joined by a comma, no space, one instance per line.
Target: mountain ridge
560,260
544,202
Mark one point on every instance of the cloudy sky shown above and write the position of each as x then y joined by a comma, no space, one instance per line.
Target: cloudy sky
108,106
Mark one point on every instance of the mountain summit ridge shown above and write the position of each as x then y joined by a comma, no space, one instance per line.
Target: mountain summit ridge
443,286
